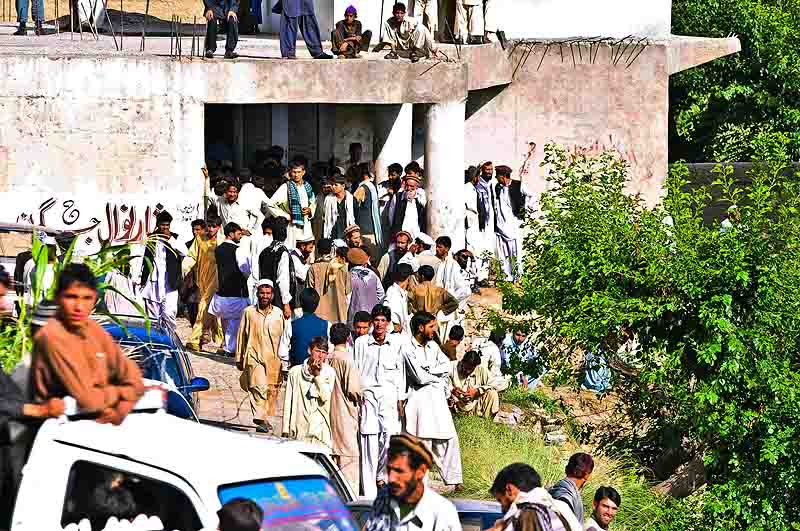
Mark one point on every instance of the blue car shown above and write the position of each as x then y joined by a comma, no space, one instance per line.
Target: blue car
161,357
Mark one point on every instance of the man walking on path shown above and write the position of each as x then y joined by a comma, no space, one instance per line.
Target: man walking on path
262,354
203,260
231,298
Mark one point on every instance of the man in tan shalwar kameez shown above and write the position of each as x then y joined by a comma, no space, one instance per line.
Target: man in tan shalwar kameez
345,402
307,406
203,260
331,279
473,390
426,297
262,354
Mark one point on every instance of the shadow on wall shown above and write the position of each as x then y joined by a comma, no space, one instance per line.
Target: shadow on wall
477,99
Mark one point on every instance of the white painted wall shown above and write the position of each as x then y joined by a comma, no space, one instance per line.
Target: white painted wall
588,18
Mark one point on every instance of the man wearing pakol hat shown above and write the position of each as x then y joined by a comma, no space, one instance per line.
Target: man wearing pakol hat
347,39
409,214
161,271
367,288
339,208
427,412
406,504
262,354
512,201
368,214
355,240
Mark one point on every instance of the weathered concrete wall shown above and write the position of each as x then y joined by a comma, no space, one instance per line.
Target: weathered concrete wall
588,105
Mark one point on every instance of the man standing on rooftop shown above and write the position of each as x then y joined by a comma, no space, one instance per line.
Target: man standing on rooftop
300,13
227,12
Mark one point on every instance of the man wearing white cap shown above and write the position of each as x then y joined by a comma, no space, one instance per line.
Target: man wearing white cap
262,354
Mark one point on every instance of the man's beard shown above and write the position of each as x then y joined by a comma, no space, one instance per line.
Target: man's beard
599,521
410,488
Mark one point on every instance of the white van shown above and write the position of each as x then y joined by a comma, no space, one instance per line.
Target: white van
180,471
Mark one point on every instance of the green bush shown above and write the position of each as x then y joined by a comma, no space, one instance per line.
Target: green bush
714,306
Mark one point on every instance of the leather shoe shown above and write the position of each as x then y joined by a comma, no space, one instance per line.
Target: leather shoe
231,55
323,55
209,54
22,30
38,29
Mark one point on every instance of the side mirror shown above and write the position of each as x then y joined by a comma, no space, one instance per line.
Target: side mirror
198,384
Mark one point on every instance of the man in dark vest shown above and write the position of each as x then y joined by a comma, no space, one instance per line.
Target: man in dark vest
275,263
367,211
409,214
161,271
232,297
511,204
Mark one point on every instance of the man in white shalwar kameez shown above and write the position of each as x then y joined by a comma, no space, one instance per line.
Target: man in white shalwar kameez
404,33
378,357
481,240
427,413
449,276
161,272
511,203
233,208
295,201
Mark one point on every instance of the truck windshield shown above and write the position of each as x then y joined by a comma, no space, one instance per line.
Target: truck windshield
294,504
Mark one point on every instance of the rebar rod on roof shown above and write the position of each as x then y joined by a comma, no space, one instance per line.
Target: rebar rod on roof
171,35
144,24
122,24
108,18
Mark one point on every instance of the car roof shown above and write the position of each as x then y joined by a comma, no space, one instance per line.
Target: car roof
462,505
185,448
123,330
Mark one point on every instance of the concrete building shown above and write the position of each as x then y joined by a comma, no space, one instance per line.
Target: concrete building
99,139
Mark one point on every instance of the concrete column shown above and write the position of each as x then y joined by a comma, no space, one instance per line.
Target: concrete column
393,134
444,170
280,125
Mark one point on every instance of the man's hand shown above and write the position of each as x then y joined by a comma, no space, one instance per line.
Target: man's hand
233,15
55,407
247,232
306,212
471,392
315,367
287,312
209,17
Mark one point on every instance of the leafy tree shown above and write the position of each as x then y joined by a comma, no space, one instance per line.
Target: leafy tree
737,107
714,307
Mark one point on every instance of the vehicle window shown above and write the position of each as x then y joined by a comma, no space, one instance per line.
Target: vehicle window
88,492
294,504
335,476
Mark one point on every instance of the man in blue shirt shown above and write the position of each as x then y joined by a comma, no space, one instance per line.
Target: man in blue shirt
306,327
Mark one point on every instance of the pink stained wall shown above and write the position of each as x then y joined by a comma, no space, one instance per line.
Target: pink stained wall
587,105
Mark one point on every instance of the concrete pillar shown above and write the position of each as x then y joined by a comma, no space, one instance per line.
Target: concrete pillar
444,170
280,125
393,134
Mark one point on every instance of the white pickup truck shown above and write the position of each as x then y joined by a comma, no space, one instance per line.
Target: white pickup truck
180,471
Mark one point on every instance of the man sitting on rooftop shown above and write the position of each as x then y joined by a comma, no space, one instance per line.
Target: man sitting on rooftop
405,34
348,39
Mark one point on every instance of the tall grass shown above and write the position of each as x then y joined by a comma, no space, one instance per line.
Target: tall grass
486,447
